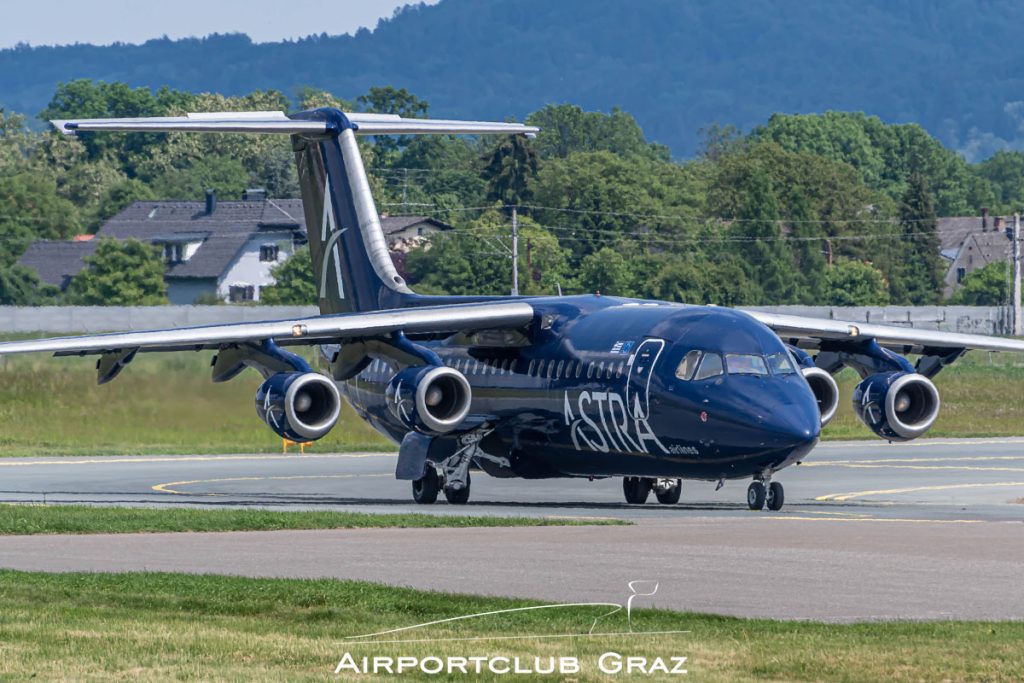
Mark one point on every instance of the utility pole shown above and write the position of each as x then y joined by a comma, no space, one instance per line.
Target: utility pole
515,251
1017,327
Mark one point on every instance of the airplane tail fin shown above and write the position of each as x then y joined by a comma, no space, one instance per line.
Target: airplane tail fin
351,263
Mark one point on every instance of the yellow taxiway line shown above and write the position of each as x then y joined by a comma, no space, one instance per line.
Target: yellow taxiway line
914,489
165,488
121,460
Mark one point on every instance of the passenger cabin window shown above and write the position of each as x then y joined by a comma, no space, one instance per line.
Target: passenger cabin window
688,365
711,366
745,364
781,364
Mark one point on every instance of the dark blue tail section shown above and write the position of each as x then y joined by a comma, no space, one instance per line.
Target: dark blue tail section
351,264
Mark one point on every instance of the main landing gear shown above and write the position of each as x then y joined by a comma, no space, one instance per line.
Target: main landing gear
761,493
636,490
451,475
425,490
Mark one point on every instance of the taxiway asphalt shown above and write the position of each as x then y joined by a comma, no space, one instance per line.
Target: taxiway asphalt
925,530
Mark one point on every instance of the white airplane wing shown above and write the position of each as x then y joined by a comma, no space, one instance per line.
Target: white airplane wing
812,331
318,329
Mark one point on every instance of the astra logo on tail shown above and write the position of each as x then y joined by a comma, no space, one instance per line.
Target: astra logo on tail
330,245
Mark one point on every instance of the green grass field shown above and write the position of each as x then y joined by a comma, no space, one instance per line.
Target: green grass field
184,627
165,403
86,519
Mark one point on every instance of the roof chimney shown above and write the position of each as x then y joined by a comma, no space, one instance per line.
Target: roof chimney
997,222
254,194
211,202
984,218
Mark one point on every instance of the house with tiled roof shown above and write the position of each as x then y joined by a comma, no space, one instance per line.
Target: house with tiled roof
222,249
968,243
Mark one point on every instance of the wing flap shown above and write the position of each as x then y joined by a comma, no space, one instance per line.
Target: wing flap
798,327
426,320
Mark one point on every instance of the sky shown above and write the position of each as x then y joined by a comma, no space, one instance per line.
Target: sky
101,22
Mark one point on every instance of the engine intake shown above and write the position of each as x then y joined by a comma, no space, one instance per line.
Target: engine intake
826,392
301,406
432,400
898,406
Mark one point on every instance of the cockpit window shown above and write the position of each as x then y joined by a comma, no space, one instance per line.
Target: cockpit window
781,364
743,364
711,366
688,365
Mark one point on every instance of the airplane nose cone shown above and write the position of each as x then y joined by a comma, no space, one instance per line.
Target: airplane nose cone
797,431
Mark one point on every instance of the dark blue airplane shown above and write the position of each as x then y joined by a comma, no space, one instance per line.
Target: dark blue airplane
534,387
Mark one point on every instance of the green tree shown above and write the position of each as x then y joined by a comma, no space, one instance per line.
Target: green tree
226,176
510,169
1005,172
294,284
20,286
694,279
566,128
389,100
855,283
987,286
120,196
120,273
606,271
918,278
601,199
31,209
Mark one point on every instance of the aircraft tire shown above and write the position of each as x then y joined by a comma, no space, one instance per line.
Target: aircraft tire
425,490
671,496
460,496
636,489
776,496
756,494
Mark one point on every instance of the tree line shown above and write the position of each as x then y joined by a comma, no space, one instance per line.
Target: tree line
837,208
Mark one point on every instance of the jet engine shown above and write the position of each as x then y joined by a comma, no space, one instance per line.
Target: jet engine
826,392
898,406
301,406
430,399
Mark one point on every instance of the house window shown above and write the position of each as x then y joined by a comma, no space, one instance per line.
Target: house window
961,273
268,253
241,293
174,253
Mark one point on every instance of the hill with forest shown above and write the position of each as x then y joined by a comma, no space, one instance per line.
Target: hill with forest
678,66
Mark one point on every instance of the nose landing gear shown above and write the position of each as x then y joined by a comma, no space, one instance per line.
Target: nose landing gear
761,493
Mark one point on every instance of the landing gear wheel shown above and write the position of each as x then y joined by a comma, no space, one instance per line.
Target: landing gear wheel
458,496
670,496
425,490
776,496
756,495
636,489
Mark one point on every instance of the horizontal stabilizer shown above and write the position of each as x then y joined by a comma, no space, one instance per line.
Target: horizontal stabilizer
278,122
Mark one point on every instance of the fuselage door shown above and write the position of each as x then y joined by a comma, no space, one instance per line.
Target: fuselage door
641,367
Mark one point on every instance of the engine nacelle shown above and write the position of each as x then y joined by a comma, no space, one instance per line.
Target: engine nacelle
898,406
430,399
826,392
300,406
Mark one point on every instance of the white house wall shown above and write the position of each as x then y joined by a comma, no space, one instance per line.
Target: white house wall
247,269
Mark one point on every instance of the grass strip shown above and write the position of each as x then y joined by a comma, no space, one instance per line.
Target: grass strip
86,519
153,626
